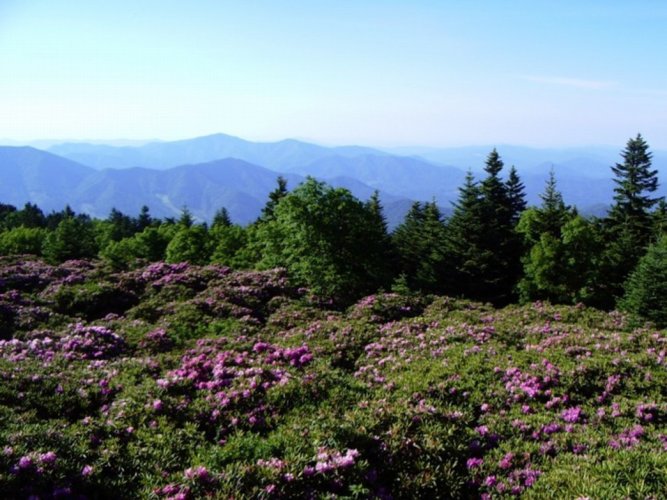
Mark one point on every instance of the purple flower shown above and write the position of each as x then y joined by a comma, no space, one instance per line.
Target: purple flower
25,462
86,471
506,461
474,463
48,458
572,415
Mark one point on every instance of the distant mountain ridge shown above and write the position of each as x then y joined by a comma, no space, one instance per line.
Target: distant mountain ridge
278,156
206,173
32,175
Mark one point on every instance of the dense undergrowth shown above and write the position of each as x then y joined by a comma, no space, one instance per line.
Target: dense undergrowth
178,381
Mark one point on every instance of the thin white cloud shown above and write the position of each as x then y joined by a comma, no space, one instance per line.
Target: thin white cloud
570,82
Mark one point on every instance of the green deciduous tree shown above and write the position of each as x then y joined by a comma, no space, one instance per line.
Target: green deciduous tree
563,247
327,240
22,240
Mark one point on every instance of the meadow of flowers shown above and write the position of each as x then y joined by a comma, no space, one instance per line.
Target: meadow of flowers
178,381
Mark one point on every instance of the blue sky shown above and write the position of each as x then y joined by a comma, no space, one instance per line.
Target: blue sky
383,73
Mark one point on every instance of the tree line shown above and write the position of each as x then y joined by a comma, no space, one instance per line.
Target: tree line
493,247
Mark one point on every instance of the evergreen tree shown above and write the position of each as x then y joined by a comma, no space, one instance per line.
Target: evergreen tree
221,218
73,238
646,289
229,242
378,231
185,220
629,226
498,236
144,220
122,226
660,220
635,180
419,242
22,240
274,197
516,195
190,244
554,214
465,257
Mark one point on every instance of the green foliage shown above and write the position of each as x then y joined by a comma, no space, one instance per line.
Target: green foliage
483,250
326,239
419,242
646,289
73,238
630,225
189,244
22,240
229,242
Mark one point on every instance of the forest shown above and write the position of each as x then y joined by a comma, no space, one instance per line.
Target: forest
492,249
503,351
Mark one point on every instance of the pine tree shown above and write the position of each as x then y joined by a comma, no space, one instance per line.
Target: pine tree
646,289
144,220
634,181
516,195
221,218
629,226
185,220
465,257
274,197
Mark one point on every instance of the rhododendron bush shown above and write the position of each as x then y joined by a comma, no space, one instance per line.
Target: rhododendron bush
180,381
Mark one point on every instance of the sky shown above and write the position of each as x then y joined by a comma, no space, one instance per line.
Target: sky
381,73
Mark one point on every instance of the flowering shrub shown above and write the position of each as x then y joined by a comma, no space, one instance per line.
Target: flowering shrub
214,383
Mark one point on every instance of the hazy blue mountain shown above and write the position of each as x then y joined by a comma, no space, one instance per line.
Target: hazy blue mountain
593,161
162,155
406,177
204,188
28,174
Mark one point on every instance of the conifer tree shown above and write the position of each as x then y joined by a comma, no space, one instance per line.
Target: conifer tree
221,218
516,195
420,242
646,289
144,220
274,197
465,257
629,226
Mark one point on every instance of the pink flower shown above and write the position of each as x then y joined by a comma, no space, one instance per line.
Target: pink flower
572,415
86,471
48,458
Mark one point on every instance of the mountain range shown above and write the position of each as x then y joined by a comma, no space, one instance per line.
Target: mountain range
206,173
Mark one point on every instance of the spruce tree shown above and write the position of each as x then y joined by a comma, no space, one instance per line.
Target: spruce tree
516,195
646,289
221,218
274,197
465,257
629,225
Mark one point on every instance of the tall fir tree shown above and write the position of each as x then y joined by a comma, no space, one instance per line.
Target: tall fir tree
221,218
516,195
274,197
465,257
629,225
